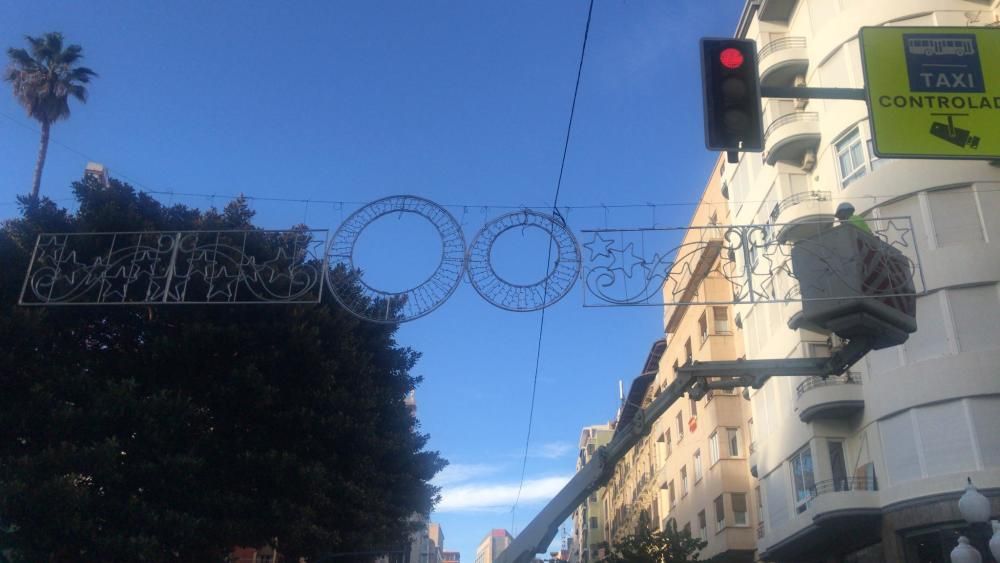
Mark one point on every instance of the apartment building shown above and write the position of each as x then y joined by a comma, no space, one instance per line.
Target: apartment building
492,545
588,518
869,467
691,469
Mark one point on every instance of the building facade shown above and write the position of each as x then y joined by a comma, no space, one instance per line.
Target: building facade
588,518
869,467
492,545
691,470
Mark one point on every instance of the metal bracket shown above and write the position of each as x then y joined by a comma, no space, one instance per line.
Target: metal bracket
813,93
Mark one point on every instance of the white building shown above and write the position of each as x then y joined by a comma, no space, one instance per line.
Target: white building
869,469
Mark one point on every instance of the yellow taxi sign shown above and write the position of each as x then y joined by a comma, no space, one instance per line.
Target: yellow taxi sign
933,92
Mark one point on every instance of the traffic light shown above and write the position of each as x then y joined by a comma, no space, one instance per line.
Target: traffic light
732,95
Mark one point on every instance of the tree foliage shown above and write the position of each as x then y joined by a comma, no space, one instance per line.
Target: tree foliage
650,546
176,433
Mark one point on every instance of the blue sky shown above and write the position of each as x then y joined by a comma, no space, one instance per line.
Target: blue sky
464,103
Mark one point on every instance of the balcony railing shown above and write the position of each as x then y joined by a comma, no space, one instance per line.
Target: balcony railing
781,44
792,200
760,529
815,382
844,484
787,118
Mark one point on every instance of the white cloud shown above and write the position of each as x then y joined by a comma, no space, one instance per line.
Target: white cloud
498,496
552,450
461,472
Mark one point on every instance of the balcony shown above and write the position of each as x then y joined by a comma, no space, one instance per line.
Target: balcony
778,11
753,459
790,134
833,397
844,512
781,60
801,215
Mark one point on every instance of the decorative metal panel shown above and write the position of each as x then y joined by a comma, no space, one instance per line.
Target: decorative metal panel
655,266
160,267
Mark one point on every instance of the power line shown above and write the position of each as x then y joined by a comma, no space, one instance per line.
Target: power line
548,260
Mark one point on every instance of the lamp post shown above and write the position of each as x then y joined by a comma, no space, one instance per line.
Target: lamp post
975,509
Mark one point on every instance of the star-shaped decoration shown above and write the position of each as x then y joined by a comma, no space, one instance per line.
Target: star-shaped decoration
628,260
599,246
895,235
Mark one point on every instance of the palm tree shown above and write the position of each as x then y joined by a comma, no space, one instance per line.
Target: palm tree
43,80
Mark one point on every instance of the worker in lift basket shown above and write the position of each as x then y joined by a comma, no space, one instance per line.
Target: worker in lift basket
845,212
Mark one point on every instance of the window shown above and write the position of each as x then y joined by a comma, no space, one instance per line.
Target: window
955,215
668,444
593,522
720,514
697,466
687,351
721,317
838,467
739,509
671,494
802,478
684,480
703,327
850,158
593,497
733,436
702,526
680,426
590,449
713,448
694,407
687,529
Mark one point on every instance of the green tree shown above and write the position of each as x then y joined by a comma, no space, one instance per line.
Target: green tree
43,80
650,546
176,433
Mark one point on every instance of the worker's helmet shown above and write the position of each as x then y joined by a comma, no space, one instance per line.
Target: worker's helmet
844,211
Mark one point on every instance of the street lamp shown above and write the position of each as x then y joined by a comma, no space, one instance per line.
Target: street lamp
975,509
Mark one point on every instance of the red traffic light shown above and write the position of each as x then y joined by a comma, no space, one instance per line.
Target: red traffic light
731,58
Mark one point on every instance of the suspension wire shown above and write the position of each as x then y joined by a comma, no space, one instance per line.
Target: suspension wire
340,203
548,260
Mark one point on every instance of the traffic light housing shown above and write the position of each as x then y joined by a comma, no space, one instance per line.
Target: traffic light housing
731,88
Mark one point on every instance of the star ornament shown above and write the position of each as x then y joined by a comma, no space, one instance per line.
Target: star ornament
629,260
599,246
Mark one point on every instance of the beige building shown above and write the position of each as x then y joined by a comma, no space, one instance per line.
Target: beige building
869,468
692,468
492,545
588,518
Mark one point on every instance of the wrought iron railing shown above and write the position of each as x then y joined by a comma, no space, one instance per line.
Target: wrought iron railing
814,382
844,484
780,45
787,118
753,447
760,529
795,199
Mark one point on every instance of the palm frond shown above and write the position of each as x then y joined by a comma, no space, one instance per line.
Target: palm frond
54,44
82,74
21,59
70,55
78,92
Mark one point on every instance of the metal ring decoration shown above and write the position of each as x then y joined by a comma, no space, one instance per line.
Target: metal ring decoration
514,297
347,283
